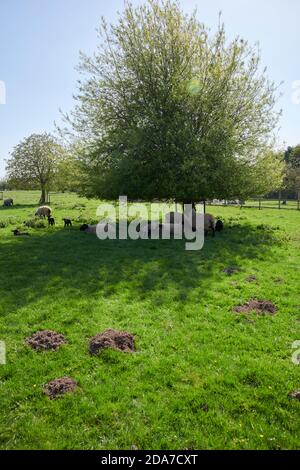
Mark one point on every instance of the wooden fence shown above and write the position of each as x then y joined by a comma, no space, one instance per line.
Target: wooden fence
260,203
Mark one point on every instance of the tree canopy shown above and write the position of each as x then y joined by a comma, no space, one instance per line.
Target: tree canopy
34,163
167,110
292,173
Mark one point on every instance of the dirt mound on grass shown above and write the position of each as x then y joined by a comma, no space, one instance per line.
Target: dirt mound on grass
251,278
295,395
46,340
262,307
231,270
58,387
119,340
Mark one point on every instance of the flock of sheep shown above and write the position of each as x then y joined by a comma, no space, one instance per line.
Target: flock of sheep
172,220
45,211
42,211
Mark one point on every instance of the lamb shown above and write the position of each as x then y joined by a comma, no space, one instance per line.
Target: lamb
43,211
17,233
51,221
67,222
8,202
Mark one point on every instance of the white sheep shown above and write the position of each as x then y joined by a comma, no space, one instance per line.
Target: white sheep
210,223
43,211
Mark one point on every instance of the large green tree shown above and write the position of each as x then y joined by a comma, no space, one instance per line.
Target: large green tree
165,110
292,173
34,163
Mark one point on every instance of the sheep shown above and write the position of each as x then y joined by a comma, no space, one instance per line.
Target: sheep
8,202
93,228
219,226
156,228
17,233
210,223
43,211
88,228
67,222
51,221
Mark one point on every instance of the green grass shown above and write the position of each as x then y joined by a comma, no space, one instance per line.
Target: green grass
203,377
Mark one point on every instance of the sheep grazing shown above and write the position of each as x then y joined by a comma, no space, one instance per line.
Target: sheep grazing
17,233
210,223
51,221
8,203
219,226
67,222
43,211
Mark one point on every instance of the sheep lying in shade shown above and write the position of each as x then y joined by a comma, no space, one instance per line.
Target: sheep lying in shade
43,211
17,233
93,228
8,202
157,229
210,223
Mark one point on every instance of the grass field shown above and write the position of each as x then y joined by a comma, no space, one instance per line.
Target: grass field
203,377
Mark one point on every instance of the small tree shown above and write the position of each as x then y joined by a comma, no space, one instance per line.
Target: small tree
34,163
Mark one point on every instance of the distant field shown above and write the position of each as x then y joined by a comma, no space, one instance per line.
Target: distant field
203,376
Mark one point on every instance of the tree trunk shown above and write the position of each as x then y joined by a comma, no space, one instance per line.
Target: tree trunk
43,198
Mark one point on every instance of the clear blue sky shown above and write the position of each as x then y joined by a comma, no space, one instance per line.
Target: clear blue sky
40,42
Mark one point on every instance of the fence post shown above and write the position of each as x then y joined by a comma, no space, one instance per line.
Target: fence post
259,204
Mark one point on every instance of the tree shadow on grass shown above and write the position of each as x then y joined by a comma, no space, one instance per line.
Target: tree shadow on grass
19,206
72,263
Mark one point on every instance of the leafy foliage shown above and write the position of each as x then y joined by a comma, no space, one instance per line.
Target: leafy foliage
34,163
292,175
165,110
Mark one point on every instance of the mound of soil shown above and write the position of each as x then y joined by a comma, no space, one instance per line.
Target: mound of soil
46,340
120,340
252,278
262,307
231,270
295,395
58,387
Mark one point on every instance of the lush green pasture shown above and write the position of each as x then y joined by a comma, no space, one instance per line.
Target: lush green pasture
203,376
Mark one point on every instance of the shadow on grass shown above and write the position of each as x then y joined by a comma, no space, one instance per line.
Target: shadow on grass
19,206
72,263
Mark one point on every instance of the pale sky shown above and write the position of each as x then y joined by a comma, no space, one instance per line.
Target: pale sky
40,42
